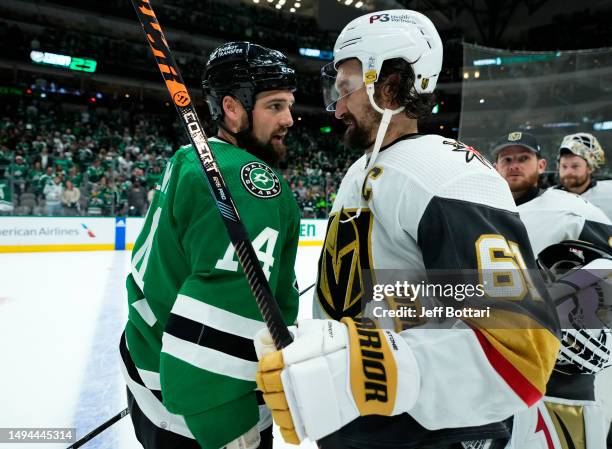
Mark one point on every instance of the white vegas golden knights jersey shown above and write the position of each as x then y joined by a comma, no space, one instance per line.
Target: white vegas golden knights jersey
569,415
556,215
600,194
433,203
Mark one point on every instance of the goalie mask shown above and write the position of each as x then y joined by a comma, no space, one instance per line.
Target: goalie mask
586,146
585,271
242,70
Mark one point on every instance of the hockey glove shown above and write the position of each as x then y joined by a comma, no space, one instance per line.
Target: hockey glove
334,372
586,343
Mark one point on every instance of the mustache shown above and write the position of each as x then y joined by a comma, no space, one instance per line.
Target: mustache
348,118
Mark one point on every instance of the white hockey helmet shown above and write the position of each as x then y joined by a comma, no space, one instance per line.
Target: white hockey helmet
398,33
586,146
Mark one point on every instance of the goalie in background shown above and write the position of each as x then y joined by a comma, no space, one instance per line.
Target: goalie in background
580,155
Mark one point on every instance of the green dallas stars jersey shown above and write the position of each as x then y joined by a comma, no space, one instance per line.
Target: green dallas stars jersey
191,362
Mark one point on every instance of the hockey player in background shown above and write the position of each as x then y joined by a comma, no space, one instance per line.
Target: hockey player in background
550,216
579,156
570,416
412,202
187,350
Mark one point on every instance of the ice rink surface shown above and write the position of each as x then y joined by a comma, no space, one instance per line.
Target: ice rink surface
61,315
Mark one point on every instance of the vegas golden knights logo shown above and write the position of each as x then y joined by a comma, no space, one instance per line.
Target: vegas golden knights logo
346,253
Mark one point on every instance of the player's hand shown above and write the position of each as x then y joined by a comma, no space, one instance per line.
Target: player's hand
332,373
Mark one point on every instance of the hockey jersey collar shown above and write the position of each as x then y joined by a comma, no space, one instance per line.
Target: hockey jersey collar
530,194
404,137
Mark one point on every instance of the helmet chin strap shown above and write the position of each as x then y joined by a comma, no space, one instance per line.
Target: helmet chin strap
382,127
387,114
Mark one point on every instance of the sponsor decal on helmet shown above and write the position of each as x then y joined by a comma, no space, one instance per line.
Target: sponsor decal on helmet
371,63
381,17
227,50
405,18
424,83
370,76
513,137
260,180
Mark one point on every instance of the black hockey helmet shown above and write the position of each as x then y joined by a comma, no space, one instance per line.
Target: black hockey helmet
242,70
557,259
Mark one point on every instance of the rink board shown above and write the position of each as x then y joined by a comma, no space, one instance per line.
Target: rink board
48,234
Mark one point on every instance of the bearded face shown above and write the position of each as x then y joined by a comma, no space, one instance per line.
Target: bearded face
520,167
574,173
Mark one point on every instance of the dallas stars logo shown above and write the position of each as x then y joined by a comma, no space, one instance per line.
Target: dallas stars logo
470,152
260,180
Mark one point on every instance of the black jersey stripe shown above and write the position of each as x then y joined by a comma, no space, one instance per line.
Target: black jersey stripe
131,368
209,337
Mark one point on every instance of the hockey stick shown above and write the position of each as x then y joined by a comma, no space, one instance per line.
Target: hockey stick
98,430
218,189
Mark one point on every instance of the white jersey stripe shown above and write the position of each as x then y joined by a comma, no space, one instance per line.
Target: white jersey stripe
220,319
155,410
209,359
144,310
150,379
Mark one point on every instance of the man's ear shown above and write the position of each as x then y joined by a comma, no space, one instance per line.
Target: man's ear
389,91
542,163
233,113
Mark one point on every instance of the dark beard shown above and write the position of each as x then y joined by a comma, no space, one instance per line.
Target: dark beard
573,181
359,137
267,152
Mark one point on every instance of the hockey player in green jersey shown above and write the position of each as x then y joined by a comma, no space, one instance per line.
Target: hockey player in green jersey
187,351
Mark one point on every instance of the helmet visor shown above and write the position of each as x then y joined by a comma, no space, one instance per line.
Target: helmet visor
336,87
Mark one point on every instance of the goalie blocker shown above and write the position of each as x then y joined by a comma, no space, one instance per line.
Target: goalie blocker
571,414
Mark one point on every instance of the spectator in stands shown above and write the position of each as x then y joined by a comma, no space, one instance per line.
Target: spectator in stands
34,175
96,171
137,198
74,176
70,199
53,196
18,172
95,205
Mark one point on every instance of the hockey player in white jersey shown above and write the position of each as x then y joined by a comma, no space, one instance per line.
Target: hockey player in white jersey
580,155
569,416
550,216
413,202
